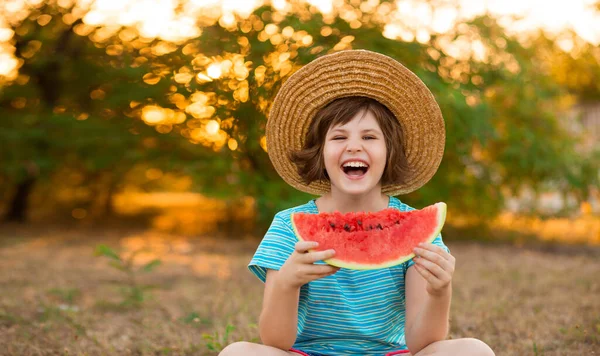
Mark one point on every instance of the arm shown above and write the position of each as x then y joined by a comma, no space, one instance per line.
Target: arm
428,296
426,315
278,320
279,316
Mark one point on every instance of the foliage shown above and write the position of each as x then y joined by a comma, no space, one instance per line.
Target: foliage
216,342
133,292
103,100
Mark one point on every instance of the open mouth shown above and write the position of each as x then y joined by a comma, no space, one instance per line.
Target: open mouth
355,169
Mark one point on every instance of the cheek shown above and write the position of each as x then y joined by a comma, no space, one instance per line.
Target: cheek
332,151
380,153
329,156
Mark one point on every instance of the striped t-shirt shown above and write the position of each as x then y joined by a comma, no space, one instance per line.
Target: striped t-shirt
348,313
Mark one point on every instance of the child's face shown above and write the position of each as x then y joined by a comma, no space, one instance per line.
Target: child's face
359,143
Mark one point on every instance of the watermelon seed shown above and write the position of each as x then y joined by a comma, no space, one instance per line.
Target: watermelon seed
359,222
332,225
379,227
346,227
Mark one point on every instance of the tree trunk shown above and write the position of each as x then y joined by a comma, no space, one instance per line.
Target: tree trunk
104,186
108,199
19,204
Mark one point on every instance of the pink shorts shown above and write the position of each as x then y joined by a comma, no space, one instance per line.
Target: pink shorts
399,352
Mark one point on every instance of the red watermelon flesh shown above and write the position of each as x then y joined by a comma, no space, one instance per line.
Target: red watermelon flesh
370,240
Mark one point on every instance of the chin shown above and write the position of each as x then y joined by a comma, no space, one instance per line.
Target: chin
357,187
356,190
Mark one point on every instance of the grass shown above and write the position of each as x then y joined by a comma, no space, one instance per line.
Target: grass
58,298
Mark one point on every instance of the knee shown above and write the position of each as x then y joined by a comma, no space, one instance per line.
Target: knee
477,347
237,348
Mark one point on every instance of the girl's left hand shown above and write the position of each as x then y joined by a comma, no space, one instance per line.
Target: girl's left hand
435,265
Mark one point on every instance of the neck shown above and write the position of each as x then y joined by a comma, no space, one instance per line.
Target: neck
344,203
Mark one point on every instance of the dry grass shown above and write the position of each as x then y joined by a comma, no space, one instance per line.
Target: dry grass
57,298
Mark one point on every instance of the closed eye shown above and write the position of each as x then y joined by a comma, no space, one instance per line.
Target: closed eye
364,138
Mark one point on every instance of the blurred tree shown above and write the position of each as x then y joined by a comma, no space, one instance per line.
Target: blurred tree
104,99
73,104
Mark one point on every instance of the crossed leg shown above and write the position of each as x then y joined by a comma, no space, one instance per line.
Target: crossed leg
462,347
244,348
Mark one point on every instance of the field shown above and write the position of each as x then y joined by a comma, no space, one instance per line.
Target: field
58,298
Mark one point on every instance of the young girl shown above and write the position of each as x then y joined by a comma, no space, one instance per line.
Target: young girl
355,127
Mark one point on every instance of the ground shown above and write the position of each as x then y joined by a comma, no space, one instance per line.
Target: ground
57,297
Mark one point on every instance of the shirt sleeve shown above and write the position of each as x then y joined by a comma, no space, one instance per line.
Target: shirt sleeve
437,241
276,246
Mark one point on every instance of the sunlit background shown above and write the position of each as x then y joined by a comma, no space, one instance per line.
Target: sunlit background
135,130
206,71
407,20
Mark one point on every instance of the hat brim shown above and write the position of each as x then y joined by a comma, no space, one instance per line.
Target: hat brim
357,73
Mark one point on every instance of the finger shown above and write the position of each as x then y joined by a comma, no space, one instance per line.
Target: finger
436,249
433,268
426,275
315,256
322,270
325,275
434,257
304,246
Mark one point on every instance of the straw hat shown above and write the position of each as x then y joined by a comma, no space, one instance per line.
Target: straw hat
356,73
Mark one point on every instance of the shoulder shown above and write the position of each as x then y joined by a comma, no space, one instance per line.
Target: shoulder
398,204
285,216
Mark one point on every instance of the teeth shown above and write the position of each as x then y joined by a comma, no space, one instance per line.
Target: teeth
355,164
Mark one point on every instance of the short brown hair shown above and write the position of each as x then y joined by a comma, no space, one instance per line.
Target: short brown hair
309,160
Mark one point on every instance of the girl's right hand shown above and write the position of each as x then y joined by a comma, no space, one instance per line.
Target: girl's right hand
300,269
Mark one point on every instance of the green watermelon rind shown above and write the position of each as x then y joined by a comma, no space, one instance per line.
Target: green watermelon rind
441,218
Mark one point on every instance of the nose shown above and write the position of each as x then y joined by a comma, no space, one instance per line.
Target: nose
354,145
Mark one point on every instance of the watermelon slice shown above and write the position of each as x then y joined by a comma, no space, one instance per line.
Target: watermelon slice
365,241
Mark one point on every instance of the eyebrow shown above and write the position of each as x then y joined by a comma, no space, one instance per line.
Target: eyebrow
363,131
